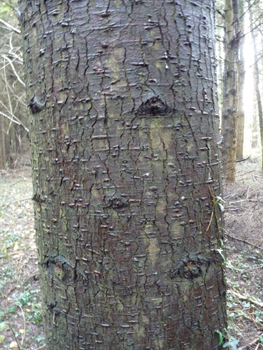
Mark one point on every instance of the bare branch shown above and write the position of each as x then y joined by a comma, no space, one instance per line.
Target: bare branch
9,26
16,121
14,70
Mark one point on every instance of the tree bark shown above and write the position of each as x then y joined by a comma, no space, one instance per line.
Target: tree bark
240,17
2,143
124,132
230,102
220,53
257,83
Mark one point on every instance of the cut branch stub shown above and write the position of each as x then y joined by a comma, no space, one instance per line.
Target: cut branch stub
38,198
191,266
117,202
35,105
154,106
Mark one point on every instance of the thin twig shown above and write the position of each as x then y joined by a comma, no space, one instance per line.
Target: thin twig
244,241
248,172
244,298
24,319
244,159
253,342
10,27
14,70
19,200
21,180
41,347
17,341
211,218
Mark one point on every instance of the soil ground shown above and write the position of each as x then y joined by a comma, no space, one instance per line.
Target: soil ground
244,255
20,303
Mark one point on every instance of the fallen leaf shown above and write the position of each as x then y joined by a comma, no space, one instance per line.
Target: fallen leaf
2,326
2,338
13,345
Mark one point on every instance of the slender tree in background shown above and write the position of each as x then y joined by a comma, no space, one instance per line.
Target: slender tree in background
240,17
220,54
256,79
13,109
230,100
126,175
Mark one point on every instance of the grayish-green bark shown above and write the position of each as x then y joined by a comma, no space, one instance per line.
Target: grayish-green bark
126,173
230,96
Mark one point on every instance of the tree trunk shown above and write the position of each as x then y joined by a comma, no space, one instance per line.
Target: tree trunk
220,53
255,142
229,110
239,15
2,143
126,173
257,84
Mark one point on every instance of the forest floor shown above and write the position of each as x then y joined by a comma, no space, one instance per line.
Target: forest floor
244,255
20,303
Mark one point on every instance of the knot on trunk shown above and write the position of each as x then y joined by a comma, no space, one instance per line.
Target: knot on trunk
153,106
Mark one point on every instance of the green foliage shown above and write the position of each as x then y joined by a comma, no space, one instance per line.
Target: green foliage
5,10
30,301
24,298
232,344
220,335
2,328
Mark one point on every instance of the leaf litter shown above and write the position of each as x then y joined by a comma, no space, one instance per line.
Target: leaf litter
20,302
244,258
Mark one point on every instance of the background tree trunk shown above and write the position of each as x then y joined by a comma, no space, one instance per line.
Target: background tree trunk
2,143
220,54
229,109
126,174
240,16
257,83
13,110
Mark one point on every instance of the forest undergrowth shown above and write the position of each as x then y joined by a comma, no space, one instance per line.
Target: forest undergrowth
244,255
20,303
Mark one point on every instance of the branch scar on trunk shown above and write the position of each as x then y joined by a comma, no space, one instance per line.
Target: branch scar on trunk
154,106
